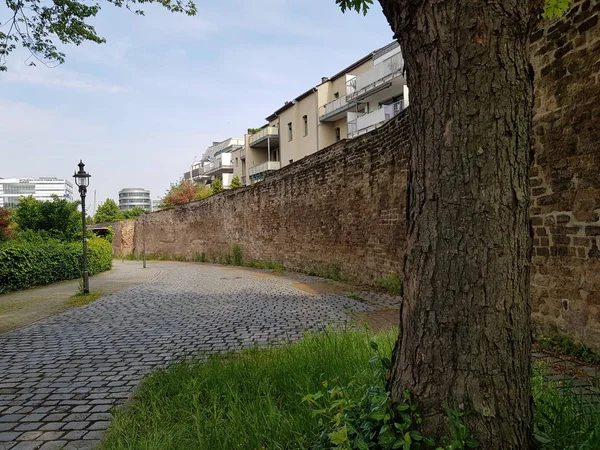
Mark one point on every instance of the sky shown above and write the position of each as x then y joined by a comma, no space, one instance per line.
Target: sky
138,109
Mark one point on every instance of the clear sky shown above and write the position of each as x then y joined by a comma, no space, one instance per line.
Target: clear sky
140,107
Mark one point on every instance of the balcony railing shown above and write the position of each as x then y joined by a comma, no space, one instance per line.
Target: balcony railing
335,106
263,134
218,164
374,119
381,73
197,172
264,167
243,154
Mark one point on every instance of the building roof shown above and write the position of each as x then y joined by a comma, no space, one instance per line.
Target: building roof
305,94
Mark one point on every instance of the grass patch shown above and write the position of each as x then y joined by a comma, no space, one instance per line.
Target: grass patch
332,272
566,345
257,399
250,400
83,299
391,284
565,416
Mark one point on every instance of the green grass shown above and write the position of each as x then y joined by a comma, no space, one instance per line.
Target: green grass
251,400
566,345
83,299
565,417
391,284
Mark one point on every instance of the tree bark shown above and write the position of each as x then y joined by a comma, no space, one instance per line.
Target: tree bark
465,338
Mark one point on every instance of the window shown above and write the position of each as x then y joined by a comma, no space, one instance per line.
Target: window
338,135
305,120
290,135
336,95
236,162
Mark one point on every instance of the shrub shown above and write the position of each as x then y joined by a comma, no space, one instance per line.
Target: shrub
235,182
237,256
391,284
24,264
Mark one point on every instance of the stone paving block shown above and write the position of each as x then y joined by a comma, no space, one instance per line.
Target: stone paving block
82,445
29,436
28,426
68,371
9,436
29,445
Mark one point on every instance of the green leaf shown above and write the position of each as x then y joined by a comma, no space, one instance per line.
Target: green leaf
339,437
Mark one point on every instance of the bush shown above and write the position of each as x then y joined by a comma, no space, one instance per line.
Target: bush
24,264
237,256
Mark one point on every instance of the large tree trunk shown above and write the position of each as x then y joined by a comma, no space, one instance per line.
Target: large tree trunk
465,337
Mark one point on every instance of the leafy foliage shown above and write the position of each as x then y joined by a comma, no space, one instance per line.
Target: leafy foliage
237,256
59,218
217,185
37,25
24,264
566,345
7,224
133,212
180,194
360,415
390,283
235,182
107,212
555,8
203,192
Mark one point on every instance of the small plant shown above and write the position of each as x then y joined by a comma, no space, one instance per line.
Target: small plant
333,272
391,284
566,345
237,256
216,185
235,182
200,258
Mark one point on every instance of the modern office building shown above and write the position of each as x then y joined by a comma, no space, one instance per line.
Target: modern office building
129,198
43,188
354,101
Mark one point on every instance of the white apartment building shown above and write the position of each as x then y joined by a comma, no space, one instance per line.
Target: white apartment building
216,162
356,100
43,188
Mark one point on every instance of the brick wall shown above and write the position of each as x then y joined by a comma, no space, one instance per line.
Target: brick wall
566,174
340,210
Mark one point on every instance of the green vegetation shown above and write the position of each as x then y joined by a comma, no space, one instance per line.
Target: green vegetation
251,400
217,185
7,224
332,272
83,299
235,182
109,212
253,130
237,256
565,415
566,345
27,263
56,219
391,284
327,391
261,264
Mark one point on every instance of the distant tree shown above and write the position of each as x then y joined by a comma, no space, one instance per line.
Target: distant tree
180,194
108,212
134,212
217,185
235,182
89,220
203,192
6,224
59,218
37,26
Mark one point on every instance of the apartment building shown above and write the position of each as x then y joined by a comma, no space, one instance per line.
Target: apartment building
43,188
356,100
216,162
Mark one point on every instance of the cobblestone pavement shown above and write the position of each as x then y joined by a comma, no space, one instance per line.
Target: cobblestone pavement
60,377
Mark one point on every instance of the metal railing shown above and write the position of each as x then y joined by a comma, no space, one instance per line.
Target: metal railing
264,167
332,106
372,120
265,132
372,78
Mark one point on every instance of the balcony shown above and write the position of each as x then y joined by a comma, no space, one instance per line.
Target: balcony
267,137
334,110
375,119
219,166
243,154
376,79
257,173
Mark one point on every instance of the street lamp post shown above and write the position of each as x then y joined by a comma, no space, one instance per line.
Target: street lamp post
144,238
82,180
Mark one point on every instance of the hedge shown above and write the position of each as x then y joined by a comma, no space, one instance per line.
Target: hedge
26,264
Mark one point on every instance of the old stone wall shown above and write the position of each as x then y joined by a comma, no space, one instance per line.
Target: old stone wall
124,239
341,210
337,212
566,174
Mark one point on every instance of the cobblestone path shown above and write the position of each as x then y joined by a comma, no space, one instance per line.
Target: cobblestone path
60,377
